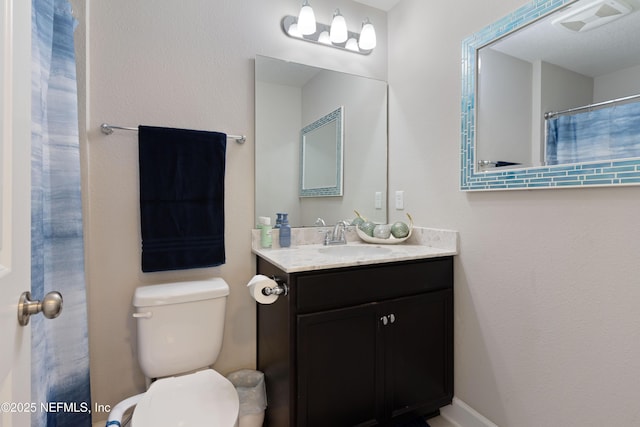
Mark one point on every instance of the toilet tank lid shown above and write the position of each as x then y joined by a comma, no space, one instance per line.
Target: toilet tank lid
178,292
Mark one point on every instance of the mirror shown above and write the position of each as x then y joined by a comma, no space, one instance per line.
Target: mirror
540,60
291,97
321,156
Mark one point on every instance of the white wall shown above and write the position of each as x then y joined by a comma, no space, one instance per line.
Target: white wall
183,64
562,88
547,283
278,125
504,98
621,83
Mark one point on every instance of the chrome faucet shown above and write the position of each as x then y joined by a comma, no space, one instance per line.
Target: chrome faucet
337,236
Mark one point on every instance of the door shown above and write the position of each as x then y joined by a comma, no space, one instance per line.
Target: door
15,218
338,368
418,353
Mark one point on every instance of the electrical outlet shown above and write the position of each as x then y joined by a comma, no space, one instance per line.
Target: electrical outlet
399,200
378,200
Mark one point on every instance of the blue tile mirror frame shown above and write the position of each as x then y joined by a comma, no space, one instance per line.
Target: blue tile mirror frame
610,172
321,156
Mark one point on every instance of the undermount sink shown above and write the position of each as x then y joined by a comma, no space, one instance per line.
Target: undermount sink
356,250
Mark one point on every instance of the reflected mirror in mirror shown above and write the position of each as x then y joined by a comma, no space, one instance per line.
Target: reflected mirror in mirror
321,158
552,84
292,96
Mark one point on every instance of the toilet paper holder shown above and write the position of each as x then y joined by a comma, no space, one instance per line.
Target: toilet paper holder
281,288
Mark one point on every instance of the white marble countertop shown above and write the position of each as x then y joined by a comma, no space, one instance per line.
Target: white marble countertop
306,250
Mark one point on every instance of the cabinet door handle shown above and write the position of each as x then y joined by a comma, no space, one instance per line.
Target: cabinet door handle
392,318
384,320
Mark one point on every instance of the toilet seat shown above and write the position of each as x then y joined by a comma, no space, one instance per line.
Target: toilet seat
193,400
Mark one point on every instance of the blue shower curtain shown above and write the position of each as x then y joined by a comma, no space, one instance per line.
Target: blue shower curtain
604,134
60,359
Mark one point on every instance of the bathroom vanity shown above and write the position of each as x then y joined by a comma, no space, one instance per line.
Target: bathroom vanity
358,340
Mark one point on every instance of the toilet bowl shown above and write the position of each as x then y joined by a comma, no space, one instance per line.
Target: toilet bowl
180,327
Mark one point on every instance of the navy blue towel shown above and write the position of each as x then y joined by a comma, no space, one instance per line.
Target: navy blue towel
181,198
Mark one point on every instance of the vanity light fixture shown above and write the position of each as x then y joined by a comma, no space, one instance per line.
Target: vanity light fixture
304,27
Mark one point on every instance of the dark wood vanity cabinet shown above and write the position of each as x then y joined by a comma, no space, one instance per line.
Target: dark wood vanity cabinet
358,346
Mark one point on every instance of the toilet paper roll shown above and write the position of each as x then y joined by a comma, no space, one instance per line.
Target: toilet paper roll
257,284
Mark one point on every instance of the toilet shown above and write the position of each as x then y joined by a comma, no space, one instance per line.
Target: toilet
180,328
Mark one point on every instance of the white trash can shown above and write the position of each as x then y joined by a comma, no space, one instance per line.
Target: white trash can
252,394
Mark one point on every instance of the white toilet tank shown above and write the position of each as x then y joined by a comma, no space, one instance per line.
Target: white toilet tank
180,325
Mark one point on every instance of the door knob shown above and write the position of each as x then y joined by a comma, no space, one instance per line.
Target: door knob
50,306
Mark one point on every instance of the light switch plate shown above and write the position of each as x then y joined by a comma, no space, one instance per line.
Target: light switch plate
399,199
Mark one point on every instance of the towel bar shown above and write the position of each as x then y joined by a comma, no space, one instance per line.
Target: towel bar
107,129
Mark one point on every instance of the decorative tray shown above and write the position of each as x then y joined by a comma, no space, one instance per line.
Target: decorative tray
390,241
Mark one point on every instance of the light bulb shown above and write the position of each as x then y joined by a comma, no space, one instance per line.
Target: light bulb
352,44
324,37
367,39
294,31
306,19
338,30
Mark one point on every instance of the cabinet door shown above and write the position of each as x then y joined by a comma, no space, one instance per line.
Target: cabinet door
338,361
418,348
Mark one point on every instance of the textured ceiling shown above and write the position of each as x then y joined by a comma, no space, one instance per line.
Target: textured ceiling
593,53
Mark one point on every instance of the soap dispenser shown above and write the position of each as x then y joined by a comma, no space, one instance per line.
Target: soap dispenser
278,220
265,231
285,232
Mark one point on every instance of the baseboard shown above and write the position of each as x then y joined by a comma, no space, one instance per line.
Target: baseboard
462,415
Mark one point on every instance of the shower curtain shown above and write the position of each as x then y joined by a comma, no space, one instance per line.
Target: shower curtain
59,349
604,134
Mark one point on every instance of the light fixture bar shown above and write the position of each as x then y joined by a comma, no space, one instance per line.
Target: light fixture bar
289,20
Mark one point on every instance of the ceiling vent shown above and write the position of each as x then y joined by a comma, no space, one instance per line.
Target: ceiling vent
585,17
